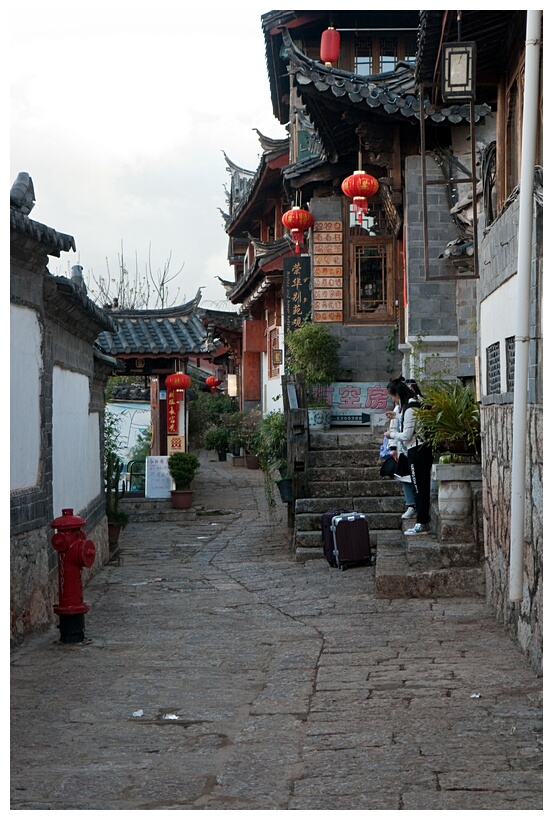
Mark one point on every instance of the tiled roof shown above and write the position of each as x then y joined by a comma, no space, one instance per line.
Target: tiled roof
53,241
264,254
245,183
177,331
392,93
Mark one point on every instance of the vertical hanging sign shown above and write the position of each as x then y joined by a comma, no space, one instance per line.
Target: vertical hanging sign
172,413
297,291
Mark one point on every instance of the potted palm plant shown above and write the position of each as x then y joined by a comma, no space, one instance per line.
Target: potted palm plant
450,421
312,349
182,468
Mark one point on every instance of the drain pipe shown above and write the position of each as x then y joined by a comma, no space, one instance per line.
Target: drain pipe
522,317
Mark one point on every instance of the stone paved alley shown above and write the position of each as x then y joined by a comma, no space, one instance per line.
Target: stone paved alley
220,674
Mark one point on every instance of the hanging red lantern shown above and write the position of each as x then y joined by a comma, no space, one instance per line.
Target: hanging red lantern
360,186
213,382
330,46
297,221
178,381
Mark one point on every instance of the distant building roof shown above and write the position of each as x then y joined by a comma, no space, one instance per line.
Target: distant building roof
176,331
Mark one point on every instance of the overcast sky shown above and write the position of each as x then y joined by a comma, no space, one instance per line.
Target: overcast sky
121,114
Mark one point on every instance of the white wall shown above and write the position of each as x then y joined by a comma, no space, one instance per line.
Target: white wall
25,373
272,387
497,323
75,443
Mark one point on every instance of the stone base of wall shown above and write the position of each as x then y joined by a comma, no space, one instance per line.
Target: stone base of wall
524,619
34,577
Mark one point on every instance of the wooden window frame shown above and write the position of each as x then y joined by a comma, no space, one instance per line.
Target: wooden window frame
352,315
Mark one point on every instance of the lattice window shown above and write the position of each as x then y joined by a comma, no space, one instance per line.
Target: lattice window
510,359
493,369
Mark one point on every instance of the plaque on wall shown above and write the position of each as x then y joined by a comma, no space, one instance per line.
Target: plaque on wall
297,291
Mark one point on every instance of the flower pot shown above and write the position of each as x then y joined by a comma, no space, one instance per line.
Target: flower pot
286,490
222,455
252,462
182,499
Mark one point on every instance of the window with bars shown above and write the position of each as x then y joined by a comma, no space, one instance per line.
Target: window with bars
510,360
493,369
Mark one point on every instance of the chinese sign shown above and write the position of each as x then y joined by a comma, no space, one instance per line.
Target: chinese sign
297,291
158,479
172,413
327,272
350,401
175,444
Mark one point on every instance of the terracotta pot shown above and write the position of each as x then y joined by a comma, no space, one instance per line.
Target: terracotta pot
182,499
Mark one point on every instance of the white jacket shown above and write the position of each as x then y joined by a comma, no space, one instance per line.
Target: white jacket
405,435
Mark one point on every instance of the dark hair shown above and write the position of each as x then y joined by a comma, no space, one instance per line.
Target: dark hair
413,386
397,387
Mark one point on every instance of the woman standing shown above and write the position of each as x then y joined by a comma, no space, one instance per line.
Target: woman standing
419,453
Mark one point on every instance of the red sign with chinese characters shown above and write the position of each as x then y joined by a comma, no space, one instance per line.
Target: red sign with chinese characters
172,413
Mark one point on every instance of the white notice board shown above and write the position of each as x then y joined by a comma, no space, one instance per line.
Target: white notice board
158,479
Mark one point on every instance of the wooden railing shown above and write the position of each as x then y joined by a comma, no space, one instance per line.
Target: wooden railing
297,431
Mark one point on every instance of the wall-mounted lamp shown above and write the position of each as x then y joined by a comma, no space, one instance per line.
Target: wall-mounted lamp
232,385
458,71
277,356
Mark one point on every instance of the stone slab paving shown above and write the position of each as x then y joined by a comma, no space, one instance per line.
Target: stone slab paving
220,674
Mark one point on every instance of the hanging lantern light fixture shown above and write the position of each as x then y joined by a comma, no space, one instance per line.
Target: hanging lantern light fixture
360,186
178,381
297,221
330,45
212,382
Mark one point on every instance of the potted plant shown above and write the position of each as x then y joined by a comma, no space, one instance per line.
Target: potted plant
312,349
450,418
244,426
182,468
117,519
218,438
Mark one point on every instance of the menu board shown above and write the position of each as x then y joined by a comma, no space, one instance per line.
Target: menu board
158,479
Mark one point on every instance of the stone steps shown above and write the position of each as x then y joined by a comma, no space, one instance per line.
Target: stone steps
344,474
161,509
402,572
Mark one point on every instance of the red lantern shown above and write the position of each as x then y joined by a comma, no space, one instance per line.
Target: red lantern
212,382
330,46
360,186
297,221
178,381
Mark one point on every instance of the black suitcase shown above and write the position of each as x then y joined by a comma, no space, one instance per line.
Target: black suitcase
328,535
352,541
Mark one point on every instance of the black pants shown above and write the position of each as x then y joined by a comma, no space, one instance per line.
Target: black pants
420,466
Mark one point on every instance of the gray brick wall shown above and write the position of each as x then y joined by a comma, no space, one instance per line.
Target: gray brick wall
432,305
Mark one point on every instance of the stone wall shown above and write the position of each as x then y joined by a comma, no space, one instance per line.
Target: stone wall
499,259
525,619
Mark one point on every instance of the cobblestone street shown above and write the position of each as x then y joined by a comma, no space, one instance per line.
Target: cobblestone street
220,674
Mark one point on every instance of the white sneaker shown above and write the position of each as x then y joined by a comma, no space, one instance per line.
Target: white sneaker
416,530
409,513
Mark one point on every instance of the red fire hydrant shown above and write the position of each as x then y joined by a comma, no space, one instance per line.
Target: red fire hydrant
75,551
